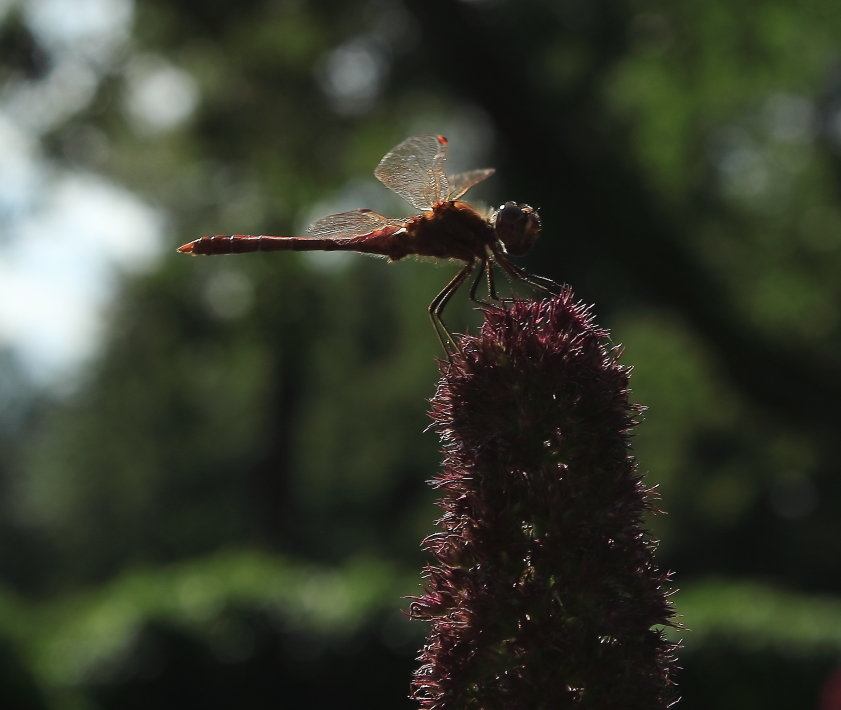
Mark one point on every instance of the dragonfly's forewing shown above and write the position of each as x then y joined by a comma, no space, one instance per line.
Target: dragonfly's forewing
415,170
462,182
356,223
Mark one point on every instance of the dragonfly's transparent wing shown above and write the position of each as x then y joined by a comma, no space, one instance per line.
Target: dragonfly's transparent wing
462,182
357,223
415,170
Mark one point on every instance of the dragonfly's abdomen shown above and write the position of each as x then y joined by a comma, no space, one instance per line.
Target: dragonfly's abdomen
225,244
376,243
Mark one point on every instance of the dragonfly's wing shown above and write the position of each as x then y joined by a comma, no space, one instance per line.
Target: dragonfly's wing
461,183
415,170
357,223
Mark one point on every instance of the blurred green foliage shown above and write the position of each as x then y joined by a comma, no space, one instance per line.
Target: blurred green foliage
686,161
87,639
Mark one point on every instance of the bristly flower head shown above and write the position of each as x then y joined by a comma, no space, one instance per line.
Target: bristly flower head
543,592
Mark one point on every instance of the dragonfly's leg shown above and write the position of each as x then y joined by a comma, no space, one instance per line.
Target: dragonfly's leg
484,268
440,301
540,283
494,296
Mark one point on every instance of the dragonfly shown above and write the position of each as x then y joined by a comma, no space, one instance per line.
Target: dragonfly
445,228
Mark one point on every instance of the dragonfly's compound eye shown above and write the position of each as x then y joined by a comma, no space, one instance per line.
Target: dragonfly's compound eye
517,227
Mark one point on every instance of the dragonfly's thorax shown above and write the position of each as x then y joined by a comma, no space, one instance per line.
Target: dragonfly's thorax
450,230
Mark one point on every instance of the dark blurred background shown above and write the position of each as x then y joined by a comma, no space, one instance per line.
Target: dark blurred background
213,470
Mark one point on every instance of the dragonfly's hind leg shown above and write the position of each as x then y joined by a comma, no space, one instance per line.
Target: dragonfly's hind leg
440,301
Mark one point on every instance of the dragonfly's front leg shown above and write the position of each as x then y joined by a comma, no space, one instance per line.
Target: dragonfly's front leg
540,283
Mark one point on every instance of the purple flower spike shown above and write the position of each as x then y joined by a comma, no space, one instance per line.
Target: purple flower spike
544,592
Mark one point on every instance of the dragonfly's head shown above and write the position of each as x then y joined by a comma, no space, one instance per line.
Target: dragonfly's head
517,227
